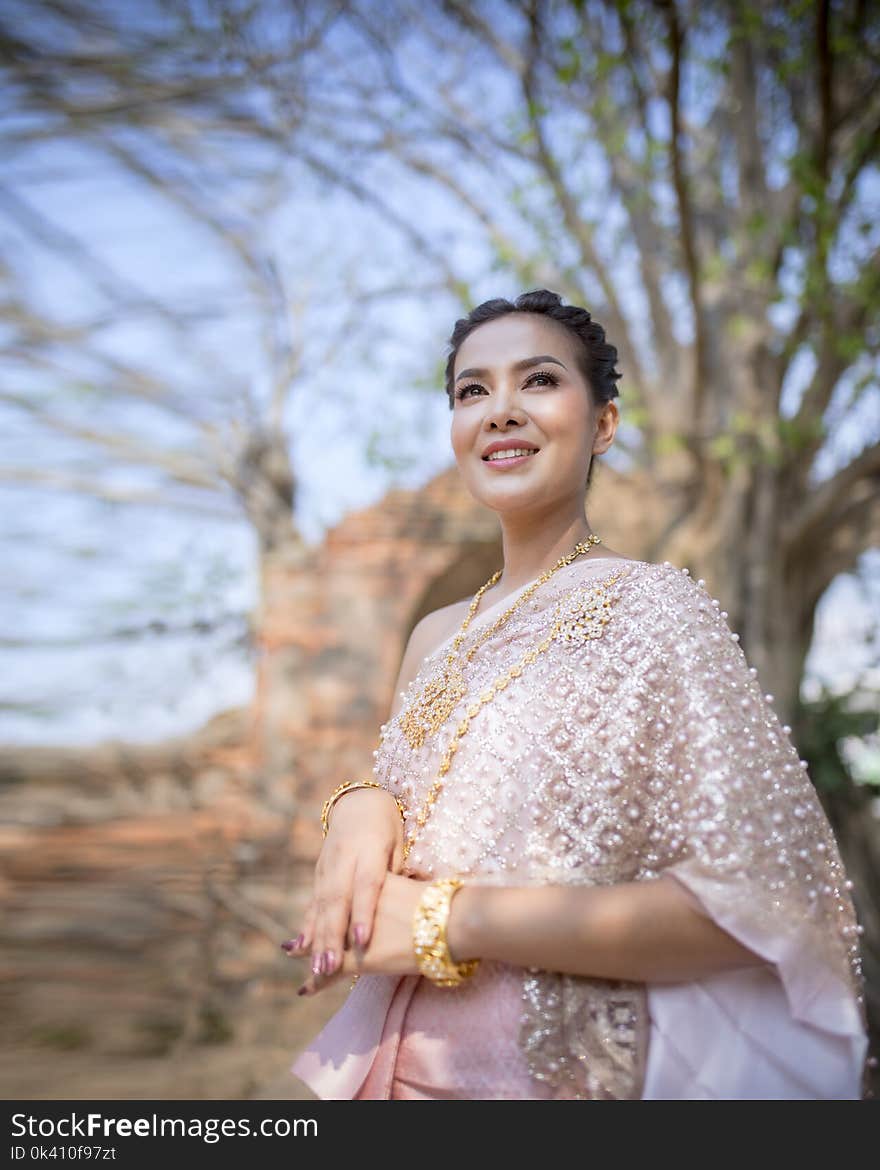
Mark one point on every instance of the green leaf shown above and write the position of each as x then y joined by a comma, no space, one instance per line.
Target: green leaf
722,447
759,269
849,346
568,72
738,325
825,724
756,223
668,442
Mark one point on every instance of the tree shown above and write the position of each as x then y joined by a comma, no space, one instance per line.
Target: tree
703,176
188,375
699,175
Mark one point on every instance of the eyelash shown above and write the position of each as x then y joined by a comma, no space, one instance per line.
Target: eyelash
554,381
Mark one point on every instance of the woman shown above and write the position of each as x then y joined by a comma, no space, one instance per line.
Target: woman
649,901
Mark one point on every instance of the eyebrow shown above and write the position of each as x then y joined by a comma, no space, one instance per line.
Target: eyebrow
524,364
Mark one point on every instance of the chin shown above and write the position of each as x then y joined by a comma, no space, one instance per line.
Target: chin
511,501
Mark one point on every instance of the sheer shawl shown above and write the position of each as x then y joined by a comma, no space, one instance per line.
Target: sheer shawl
636,742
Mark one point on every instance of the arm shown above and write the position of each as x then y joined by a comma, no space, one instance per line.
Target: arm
648,931
364,842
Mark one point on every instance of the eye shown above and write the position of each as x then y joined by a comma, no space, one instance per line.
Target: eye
461,393
552,380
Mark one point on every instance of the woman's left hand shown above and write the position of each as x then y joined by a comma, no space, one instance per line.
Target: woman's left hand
390,948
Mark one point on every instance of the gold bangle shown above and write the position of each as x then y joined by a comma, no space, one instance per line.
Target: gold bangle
348,786
429,936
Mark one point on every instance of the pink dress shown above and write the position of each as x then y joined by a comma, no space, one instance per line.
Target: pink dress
636,742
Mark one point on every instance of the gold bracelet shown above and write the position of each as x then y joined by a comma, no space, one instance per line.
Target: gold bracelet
348,786
429,936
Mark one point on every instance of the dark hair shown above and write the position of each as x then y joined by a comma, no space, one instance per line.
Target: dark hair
595,356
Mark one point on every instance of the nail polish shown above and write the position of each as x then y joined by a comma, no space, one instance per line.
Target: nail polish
288,946
316,964
329,962
302,991
360,934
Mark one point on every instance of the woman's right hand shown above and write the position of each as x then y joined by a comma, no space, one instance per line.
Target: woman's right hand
364,842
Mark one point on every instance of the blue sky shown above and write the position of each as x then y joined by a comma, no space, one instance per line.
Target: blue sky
129,621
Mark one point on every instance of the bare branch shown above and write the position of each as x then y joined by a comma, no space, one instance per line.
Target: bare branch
581,231
116,288
750,152
126,380
815,515
685,213
845,316
855,529
418,239
63,481
504,243
183,468
649,234
486,31
865,150
826,108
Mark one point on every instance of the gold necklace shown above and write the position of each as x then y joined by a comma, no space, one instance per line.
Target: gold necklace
446,688
579,617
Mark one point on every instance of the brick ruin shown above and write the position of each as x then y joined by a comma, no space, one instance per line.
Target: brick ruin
145,889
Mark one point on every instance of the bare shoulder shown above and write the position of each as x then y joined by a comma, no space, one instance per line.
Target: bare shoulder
435,627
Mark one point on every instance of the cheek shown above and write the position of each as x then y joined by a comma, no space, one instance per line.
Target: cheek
461,437
564,422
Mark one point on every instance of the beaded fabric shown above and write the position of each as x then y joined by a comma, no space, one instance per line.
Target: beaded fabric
636,746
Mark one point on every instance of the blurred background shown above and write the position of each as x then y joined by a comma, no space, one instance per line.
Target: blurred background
234,238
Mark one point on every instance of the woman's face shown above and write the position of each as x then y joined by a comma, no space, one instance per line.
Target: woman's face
546,406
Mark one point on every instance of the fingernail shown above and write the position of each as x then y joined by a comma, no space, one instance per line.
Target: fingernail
302,991
330,962
360,934
316,964
288,946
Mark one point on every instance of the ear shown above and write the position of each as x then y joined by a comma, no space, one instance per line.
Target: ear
606,426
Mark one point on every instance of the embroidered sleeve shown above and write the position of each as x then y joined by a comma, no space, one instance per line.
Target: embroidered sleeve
739,823
661,755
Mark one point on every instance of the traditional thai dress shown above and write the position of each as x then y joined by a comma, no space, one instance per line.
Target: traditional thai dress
631,740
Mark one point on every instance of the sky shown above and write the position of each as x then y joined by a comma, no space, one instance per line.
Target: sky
130,622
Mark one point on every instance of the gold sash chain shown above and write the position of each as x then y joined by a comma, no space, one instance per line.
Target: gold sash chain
446,688
579,618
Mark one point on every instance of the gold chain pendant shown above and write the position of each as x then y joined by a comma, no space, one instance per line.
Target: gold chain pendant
445,689
434,706
577,619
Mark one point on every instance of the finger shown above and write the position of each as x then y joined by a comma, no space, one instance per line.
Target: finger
368,882
295,947
334,907
318,982
307,925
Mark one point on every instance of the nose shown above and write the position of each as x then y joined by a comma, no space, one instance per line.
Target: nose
504,410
